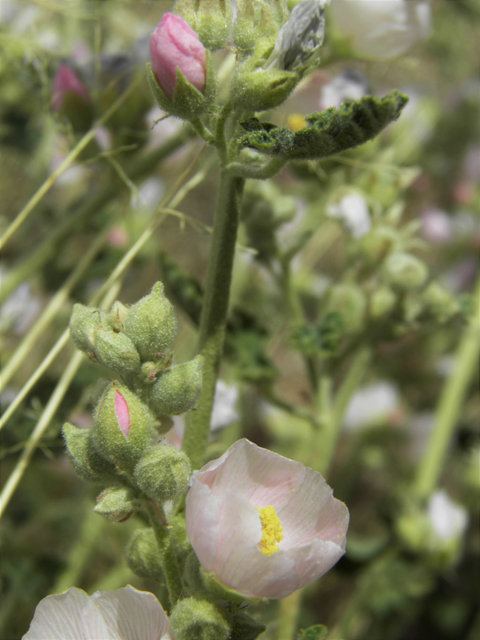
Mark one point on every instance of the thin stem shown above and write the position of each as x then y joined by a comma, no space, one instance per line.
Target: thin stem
47,415
450,404
167,553
48,184
77,220
214,311
49,312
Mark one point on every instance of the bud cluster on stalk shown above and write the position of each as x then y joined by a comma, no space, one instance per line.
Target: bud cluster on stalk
122,448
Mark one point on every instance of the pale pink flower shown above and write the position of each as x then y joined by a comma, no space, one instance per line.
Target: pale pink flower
263,524
66,81
175,45
125,614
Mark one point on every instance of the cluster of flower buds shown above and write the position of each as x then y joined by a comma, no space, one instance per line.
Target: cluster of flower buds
134,343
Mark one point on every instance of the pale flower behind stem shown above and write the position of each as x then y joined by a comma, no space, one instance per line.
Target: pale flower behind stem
382,28
125,614
447,519
242,503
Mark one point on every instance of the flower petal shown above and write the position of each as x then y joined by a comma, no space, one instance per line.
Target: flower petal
68,616
130,614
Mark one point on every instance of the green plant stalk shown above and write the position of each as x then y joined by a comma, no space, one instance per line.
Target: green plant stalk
167,553
449,407
142,166
214,311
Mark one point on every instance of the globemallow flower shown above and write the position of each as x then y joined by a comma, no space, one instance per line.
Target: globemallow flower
175,45
382,28
125,614
264,525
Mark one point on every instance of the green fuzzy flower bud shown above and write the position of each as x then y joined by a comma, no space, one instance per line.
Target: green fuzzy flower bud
194,619
214,18
412,306
116,352
244,33
263,89
117,504
151,324
440,302
142,554
178,388
383,301
83,323
405,271
349,301
163,472
377,244
87,463
123,426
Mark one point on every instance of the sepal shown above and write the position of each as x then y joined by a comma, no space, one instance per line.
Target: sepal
84,321
195,619
188,102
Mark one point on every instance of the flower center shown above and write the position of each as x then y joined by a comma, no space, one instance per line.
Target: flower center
272,531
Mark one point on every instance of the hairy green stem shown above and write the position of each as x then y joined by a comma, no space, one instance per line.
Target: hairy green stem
214,311
450,404
167,553
140,167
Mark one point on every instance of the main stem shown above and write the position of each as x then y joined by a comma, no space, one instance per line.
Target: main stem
214,311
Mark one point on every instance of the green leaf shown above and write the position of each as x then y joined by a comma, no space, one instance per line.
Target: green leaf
329,132
317,632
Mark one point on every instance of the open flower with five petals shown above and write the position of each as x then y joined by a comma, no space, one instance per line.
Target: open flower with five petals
125,614
264,525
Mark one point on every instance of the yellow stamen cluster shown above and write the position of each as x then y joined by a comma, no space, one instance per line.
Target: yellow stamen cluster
272,531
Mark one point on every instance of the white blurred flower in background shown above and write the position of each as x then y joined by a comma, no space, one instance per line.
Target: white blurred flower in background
448,519
382,28
352,211
371,405
351,84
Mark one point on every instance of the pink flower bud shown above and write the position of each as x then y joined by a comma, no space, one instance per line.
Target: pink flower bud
175,46
123,413
66,81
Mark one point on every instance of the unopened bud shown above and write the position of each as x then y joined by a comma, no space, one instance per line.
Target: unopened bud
440,302
118,313
178,388
181,74
194,619
116,352
405,271
123,426
349,301
377,244
298,43
163,472
383,301
142,554
83,323
213,23
151,324
87,463
71,98
117,504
